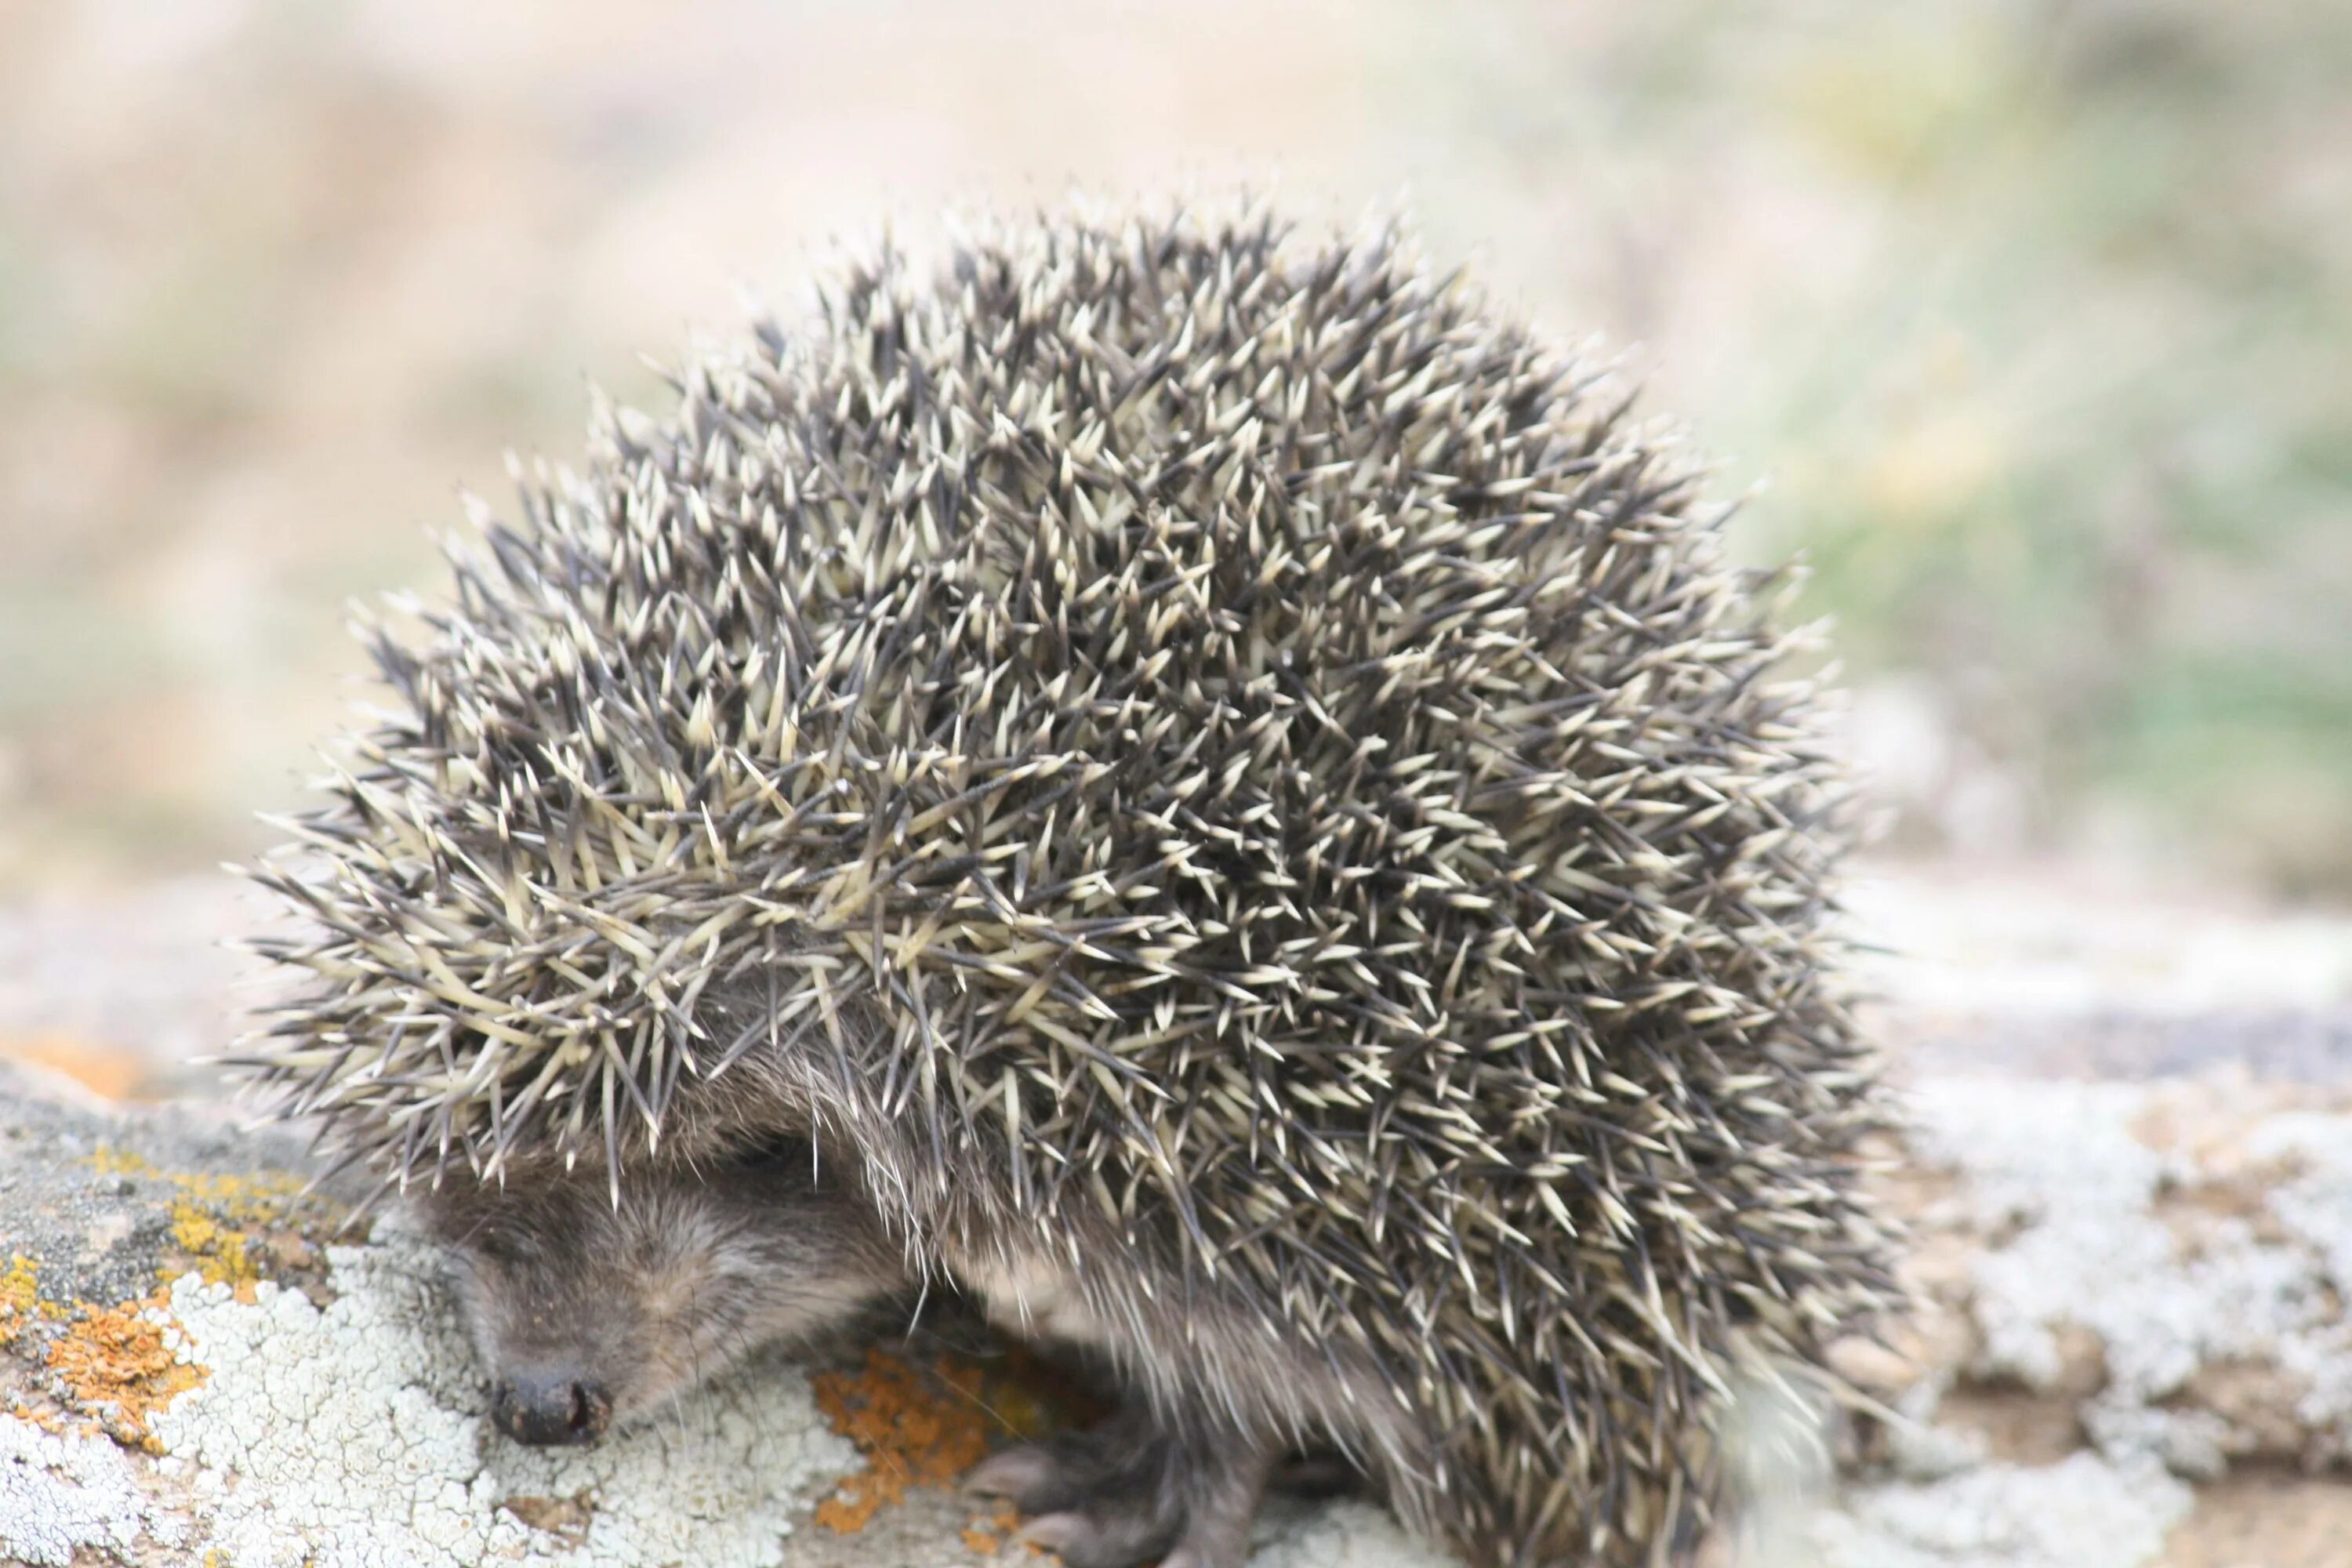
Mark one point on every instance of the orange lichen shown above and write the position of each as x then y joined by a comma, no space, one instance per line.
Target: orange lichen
216,1221
916,1427
567,1518
114,1074
21,1302
984,1535
20,1293
110,1161
247,1199
925,1425
114,1366
219,1249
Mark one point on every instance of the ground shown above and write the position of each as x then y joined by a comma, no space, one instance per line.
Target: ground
2126,1154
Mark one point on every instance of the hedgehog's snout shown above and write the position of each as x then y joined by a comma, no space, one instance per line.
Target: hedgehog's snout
550,1408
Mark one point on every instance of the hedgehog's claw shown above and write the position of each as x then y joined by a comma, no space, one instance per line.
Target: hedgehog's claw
1098,1539
1130,1494
1011,1475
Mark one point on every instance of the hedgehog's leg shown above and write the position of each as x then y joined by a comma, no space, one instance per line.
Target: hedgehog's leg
1132,1491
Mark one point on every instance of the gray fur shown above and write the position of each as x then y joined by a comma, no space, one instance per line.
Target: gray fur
645,1298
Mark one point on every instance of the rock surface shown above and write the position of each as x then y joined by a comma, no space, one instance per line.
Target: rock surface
2127,1164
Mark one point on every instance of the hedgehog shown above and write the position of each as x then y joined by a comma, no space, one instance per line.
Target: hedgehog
1196,785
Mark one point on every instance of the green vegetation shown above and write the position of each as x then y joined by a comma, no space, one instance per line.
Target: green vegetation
2033,317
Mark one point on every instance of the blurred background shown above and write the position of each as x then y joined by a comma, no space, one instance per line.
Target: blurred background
2029,321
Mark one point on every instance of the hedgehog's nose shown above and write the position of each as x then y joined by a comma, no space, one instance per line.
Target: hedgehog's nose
545,1408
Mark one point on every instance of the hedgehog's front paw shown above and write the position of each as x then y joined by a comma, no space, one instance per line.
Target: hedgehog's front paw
1128,1494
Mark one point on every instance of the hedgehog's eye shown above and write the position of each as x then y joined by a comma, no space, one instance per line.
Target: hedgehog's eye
498,1247
777,1153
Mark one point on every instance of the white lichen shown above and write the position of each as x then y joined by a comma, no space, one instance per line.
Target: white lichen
2082,1512
2070,1198
1344,1535
62,1493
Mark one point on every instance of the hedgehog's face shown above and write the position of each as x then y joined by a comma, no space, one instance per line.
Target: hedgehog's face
586,1312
